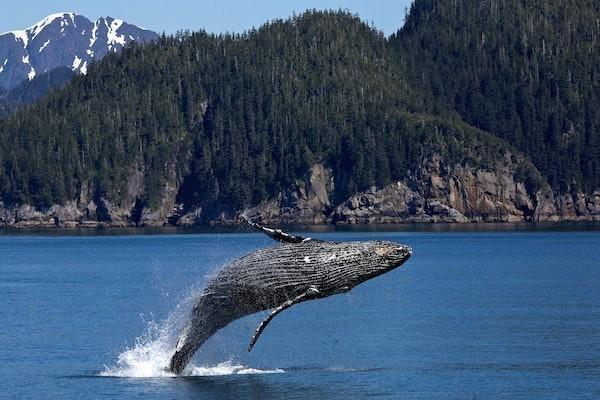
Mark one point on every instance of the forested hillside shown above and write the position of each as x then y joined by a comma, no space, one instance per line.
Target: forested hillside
239,117
29,91
527,71
214,124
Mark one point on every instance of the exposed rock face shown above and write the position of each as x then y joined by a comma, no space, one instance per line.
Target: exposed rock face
66,215
392,203
432,192
93,211
26,216
161,215
307,202
190,219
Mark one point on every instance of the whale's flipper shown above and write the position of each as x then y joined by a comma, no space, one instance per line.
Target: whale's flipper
276,234
311,293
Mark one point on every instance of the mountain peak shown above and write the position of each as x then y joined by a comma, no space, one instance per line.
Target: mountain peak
35,29
63,39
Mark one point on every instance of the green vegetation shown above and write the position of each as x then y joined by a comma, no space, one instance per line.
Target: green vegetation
29,91
527,71
236,118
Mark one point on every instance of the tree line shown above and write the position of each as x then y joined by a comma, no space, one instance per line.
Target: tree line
236,118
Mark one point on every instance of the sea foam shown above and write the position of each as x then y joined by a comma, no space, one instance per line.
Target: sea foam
151,354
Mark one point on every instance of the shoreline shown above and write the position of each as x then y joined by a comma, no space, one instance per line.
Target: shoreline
441,227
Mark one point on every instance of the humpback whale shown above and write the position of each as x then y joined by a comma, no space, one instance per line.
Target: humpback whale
276,278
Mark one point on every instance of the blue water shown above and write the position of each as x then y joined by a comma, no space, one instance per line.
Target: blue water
470,316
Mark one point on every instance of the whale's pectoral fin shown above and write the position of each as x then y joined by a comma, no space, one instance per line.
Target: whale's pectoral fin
311,293
276,234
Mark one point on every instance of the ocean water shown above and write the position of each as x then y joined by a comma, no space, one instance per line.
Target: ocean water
472,315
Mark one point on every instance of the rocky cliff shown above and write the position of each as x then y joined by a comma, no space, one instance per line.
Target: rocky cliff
92,210
433,192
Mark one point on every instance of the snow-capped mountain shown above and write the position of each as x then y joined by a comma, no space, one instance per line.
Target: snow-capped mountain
62,40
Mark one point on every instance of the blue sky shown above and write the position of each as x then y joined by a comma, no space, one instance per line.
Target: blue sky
212,15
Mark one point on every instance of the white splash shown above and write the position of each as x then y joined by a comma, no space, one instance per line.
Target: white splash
228,368
150,356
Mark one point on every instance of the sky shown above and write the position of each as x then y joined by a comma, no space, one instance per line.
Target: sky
211,15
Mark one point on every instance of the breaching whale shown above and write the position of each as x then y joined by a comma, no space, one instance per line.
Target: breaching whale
275,278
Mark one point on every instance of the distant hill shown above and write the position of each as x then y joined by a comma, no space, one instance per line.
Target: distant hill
46,55
29,91
62,40
529,72
318,118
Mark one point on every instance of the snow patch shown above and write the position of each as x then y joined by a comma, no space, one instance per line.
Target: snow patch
83,68
112,36
44,46
31,33
22,35
39,27
90,53
76,63
25,59
31,74
94,34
